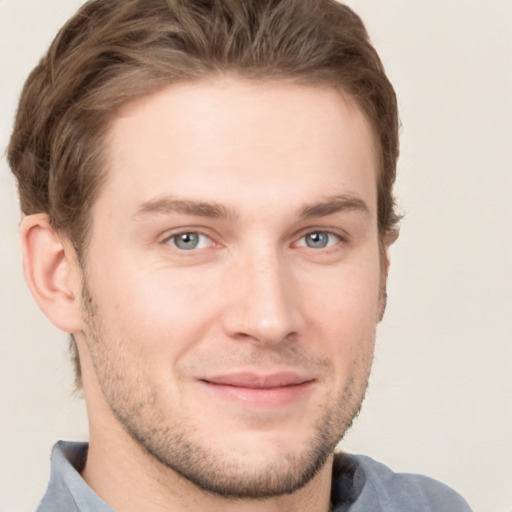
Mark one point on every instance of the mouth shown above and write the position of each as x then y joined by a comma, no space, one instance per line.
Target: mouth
260,390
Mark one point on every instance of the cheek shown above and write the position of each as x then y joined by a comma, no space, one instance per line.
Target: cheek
155,314
345,311
349,294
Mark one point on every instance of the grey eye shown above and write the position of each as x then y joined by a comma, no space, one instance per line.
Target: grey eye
319,239
186,241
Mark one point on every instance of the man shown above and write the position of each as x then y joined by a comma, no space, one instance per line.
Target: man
207,190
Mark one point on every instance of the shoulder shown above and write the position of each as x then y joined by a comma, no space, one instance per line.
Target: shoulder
381,489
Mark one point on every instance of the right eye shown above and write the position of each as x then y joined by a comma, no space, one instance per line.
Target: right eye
189,241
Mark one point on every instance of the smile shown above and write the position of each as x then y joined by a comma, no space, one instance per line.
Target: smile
274,390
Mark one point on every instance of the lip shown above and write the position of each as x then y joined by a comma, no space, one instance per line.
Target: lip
260,390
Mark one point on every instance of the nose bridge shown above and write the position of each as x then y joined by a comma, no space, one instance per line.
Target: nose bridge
262,305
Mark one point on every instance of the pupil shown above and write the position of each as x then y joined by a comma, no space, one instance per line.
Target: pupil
187,240
316,240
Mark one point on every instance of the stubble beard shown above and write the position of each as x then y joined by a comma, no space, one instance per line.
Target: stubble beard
211,470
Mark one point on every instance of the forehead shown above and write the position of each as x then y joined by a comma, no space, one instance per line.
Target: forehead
238,141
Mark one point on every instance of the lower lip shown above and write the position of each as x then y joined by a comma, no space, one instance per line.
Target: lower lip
261,397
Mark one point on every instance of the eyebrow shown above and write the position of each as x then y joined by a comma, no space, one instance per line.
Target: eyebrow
184,206
335,204
164,205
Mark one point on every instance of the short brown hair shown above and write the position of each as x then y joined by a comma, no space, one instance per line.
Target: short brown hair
113,51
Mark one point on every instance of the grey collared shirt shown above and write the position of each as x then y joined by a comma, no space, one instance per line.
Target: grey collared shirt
360,484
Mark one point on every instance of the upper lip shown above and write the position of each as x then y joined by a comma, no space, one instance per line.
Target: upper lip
259,380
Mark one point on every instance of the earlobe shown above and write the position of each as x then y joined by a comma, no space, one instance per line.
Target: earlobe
52,272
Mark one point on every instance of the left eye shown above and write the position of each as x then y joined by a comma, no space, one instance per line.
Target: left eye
319,240
189,241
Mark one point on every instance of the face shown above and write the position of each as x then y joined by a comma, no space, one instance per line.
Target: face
232,283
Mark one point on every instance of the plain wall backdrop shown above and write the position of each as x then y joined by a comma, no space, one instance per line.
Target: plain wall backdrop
440,398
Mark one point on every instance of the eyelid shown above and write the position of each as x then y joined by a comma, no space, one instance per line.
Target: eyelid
339,233
201,244
330,244
169,235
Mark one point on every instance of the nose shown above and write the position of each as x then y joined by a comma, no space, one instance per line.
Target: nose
261,300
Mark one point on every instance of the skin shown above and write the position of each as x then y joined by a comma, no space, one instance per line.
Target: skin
221,376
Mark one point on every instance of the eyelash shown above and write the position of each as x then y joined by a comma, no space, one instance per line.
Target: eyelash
172,239
333,239
321,233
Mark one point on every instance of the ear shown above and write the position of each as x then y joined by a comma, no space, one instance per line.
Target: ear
385,262
52,272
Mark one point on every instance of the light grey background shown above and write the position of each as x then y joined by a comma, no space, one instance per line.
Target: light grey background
440,400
